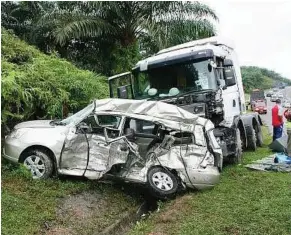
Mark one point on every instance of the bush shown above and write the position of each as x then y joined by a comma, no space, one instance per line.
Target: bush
39,86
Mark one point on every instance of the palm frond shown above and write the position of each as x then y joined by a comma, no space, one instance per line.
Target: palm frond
76,24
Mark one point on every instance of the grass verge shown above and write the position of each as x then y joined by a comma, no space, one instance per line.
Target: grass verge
245,202
33,206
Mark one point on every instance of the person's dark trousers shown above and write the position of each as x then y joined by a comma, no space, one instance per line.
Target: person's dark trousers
277,132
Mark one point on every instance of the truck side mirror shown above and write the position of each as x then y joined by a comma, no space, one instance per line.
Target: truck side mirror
122,92
227,63
229,77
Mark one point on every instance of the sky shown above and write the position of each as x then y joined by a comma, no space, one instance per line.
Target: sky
260,30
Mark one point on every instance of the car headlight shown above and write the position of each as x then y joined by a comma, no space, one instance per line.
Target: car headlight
16,134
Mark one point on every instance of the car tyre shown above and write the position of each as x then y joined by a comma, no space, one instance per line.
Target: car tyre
162,183
39,163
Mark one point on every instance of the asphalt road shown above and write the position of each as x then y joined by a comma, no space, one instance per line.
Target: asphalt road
267,118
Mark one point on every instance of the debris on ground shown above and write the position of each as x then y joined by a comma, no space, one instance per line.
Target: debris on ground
278,162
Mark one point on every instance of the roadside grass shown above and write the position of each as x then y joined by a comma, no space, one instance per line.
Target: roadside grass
29,206
245,202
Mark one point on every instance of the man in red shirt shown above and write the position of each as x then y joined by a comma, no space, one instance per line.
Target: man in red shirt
287,115
277,120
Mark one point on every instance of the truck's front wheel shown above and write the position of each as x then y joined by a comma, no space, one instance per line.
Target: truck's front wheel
237,158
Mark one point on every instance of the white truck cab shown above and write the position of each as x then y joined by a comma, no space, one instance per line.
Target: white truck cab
204,78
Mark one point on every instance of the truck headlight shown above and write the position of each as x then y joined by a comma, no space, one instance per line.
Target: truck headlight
16,134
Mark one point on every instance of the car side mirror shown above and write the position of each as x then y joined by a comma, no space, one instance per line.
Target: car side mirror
229,77
83,127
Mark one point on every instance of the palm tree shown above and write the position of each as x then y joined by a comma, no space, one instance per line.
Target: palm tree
161,23
106,37
22,18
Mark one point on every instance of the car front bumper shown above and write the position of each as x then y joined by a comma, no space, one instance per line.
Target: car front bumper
12,149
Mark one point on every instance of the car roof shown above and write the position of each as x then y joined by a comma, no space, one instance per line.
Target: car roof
156,111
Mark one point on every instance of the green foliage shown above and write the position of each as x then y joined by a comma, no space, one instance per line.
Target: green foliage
107,40
255,77
35,85
124,58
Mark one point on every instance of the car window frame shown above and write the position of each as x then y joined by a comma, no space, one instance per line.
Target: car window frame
106,114
145,135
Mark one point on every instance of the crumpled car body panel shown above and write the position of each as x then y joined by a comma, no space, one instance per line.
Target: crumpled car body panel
185,159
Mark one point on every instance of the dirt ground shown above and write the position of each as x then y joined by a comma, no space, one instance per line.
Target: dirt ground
89,213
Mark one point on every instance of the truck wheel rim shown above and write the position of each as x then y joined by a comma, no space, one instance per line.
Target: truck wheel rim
255,135
35,165
162,181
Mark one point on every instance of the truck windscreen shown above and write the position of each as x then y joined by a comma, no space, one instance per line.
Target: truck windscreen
174,79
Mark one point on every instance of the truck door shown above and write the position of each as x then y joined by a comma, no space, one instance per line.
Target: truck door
120,86
231,95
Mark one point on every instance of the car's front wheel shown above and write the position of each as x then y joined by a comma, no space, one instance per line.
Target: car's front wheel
162,182
38,163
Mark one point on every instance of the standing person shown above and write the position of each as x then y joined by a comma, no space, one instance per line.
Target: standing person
287,115
277,120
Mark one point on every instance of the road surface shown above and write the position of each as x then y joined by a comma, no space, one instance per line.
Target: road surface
267,118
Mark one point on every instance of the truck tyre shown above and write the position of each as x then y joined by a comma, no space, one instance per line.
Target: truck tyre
259,137
162,182
237,158
252,141
39,164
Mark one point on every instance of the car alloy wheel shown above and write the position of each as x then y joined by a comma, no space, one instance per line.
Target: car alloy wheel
162,181
35,165
38,163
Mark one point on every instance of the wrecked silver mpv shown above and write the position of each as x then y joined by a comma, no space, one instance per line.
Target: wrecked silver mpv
148,142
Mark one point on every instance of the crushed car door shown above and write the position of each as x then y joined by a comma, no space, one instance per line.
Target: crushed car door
86,152
145,133
74,155
102,154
